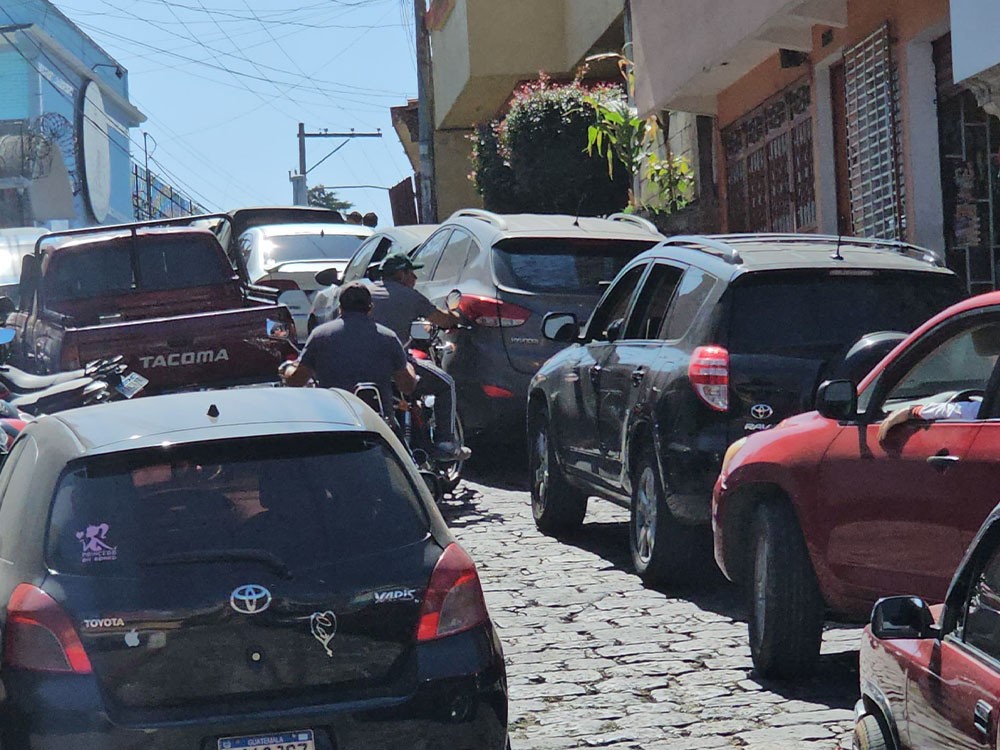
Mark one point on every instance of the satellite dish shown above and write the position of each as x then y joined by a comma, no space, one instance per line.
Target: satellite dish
96,146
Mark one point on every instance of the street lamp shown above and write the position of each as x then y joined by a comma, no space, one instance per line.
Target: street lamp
117,68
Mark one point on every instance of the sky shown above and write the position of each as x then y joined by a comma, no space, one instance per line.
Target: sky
224,84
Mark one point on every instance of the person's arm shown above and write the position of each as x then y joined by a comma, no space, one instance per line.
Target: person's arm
959,410
403,374
295,374
444,319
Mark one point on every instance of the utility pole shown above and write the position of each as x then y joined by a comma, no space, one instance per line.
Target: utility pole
300,189
425,115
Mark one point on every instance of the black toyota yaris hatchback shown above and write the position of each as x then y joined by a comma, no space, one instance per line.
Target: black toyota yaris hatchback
227,570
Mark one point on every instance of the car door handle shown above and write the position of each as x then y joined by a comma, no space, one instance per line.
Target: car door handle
595,374
942,461
981,716
638,374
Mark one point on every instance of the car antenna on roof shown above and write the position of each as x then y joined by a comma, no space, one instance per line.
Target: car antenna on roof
213,411
579,205
836,253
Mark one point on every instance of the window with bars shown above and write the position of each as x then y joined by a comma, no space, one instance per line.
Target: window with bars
769,166
874,167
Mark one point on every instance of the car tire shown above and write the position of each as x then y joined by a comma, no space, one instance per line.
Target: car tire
661,548
870,733
557,506
786,609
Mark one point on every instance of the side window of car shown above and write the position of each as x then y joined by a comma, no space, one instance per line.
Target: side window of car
651,304
455,255
981,628
362,256
691,294
961,364
428,254
613,307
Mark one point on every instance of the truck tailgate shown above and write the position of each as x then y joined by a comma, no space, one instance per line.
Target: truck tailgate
206,350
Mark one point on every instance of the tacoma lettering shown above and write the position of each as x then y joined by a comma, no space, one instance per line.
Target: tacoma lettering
179,359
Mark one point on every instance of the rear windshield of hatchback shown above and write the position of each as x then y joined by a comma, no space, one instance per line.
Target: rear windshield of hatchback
818,313
299,247
562,265
288,503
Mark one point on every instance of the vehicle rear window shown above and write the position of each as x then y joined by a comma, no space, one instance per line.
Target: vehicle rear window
161,263
567,265
812,313
289,503
292,247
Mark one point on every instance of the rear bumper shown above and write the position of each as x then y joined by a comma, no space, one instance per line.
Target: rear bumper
492,396
450,708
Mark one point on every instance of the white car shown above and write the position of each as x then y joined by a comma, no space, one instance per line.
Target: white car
287,257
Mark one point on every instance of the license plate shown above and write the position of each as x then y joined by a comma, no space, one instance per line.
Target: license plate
300,740
131,384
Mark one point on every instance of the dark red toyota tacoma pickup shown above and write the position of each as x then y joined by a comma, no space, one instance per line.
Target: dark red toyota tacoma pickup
165,297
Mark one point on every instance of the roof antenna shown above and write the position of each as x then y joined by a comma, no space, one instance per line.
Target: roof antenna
213,411
576,221
835,255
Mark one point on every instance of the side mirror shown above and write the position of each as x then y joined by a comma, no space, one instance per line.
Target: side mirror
902,617
615,330
837,399
560,327
277,330
420,330
28,284
453,300
327,277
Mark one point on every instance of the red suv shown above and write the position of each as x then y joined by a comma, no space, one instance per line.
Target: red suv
819,517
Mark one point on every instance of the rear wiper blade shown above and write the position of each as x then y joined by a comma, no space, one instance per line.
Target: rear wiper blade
269,559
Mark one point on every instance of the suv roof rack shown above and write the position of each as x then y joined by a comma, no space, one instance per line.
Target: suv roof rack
636,220
478,213
711,245
898,246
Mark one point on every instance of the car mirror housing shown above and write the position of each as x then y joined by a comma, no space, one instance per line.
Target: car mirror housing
898,617
327,277
837,399
562,327
420,330
615,330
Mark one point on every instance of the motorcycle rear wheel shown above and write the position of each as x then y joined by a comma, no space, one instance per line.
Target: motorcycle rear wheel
451,473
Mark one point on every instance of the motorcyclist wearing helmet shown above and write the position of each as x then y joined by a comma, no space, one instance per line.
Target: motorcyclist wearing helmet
396,305
352,349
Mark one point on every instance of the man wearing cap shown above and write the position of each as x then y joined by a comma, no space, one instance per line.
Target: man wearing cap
396,305
352,349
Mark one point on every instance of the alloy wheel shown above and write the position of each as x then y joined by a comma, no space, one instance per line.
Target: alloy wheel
645,515
540,476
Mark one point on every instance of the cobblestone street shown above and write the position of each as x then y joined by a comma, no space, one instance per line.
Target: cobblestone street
597,660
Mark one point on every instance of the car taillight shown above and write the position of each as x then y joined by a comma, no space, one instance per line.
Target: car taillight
454,599
495,391
492,313
708,372
282,285
40,636
69,357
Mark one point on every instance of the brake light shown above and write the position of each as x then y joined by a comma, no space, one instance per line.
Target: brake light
281,285
492,313
40,636
708,372
454,599
419,354
495,391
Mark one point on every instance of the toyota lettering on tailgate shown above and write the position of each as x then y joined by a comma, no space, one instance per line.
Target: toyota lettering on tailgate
180,359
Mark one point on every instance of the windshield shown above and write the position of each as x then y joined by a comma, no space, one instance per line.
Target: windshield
559,264
286,504
819,313
292,247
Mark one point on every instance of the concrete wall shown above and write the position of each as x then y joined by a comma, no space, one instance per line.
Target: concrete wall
452,154
586,22
452,68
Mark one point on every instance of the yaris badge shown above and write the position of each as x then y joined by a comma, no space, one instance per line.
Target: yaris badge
761,411
250,599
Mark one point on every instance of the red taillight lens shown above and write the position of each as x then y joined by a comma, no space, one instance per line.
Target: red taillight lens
492,313
419,354
282,285
709,376
495,391
454,600
40,636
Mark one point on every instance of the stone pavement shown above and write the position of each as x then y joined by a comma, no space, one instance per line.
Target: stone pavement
594,659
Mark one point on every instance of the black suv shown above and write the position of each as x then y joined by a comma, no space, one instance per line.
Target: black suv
697,343
511,270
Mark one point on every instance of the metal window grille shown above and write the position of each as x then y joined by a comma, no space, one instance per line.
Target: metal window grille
769,166
875,183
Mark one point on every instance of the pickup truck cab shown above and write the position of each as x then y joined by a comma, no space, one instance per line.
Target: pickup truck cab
166,298
821,517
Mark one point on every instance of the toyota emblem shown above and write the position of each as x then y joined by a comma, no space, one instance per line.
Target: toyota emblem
761,411
250,599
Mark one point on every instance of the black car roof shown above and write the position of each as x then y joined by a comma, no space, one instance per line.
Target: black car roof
188,417
728,256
